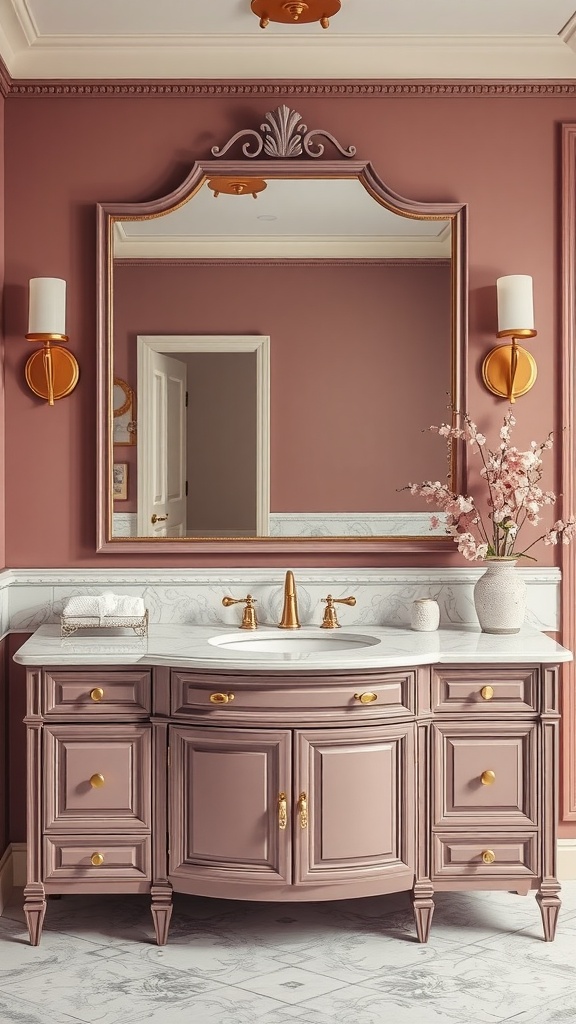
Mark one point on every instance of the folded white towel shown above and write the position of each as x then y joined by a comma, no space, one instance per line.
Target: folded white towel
125,604
103,605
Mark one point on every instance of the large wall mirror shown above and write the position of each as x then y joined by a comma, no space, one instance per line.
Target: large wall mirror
286,329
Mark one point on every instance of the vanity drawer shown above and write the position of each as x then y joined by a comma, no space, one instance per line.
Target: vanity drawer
485,774
97,778
230,696
486,691
102,859
107,694
485,855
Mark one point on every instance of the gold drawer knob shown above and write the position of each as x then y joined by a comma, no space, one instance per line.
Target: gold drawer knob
366,698
487,692
97,780
97,859
221,698
488,856
488,777
97,693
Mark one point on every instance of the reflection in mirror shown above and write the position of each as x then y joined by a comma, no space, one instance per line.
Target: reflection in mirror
359,296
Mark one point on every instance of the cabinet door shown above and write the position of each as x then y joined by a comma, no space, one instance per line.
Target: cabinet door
229,797
358,788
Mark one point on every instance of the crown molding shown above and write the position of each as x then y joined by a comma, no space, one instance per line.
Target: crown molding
434,88
5,79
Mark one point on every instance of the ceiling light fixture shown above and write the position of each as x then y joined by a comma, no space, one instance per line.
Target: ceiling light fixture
295,12
236,186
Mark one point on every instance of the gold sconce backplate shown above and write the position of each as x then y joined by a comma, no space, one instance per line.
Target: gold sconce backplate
498,372
65,372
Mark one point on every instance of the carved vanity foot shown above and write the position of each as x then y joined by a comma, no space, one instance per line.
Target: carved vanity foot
550,904
161,911
34,910
423,908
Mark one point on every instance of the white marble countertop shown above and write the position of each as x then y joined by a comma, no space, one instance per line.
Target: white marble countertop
190,646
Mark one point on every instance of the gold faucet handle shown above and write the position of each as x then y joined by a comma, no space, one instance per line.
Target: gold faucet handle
330,620
249,620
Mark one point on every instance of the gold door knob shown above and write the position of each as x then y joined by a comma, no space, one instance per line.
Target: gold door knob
97,859
97,780
488,777
282,811
488,856
158,519
97,693
487,692
221,698
303,810
366,698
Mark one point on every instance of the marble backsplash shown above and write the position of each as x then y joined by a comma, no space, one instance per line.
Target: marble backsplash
31,597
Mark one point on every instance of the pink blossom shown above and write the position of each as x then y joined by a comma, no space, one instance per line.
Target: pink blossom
514,495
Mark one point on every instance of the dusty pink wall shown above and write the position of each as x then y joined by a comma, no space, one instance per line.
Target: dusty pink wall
345,340
2,348
126,149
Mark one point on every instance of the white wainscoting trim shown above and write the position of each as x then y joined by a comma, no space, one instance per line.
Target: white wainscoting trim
383,596
567,859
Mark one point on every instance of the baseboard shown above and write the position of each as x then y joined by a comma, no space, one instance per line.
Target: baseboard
566,859
12,871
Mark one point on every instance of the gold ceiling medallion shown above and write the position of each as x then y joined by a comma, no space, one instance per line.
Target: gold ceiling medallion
295,12
283,136
236,186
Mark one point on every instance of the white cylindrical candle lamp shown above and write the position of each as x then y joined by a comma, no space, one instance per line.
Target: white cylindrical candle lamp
515,303
47,306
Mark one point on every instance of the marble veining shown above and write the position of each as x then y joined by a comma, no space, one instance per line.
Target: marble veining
32,597
190,647
346,962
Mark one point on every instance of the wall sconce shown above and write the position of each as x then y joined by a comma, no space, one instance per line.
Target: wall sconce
52,372
509,371
222,185
295,12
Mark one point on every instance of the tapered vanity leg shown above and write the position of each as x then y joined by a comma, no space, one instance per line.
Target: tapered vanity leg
423,907
550,904
34,910
161,911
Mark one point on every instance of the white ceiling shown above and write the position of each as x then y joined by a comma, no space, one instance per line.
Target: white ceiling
221,39
331,218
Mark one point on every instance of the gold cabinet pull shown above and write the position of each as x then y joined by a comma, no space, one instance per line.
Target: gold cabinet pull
303,810
158,519
97,780
97,859
221,698
488,856
366,698
97,693
282,811
487,692
488,777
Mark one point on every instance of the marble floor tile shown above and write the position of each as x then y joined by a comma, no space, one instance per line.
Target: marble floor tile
234,962
473,987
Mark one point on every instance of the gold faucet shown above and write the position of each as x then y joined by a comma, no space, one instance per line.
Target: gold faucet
289,618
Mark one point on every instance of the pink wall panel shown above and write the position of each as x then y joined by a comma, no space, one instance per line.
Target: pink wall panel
127,149
357,330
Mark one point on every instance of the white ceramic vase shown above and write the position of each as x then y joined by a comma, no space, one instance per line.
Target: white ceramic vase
500,597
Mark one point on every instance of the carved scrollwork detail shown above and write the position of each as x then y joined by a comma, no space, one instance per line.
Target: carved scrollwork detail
284,136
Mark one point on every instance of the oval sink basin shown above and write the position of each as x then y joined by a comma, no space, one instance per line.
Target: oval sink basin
292,643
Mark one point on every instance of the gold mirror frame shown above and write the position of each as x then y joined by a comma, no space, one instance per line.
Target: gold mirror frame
280,140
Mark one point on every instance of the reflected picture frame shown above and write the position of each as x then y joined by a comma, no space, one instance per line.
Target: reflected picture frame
124,424
120,481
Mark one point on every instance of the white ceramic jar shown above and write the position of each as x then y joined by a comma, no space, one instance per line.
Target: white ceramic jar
425,614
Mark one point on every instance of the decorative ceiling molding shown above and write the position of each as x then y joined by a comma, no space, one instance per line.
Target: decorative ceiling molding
552,88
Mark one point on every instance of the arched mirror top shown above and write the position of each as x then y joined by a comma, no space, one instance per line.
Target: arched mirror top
287,328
